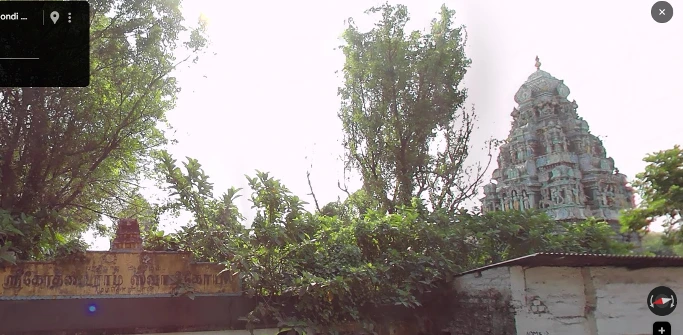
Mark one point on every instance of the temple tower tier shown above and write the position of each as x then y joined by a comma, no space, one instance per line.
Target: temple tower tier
551,161
127,237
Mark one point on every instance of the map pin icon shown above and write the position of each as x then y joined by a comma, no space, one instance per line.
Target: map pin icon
54,16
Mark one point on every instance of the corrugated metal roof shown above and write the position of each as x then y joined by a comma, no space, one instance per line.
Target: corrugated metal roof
580,260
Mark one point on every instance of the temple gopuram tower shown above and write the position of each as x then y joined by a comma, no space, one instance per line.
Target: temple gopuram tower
552,162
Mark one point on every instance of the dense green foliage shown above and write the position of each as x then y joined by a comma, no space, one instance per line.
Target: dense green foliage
655,243
661,189
330,267
68,156
406,131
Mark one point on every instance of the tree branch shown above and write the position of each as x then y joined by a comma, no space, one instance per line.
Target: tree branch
310,186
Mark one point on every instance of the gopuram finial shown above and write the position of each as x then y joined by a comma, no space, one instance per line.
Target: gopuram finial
538,63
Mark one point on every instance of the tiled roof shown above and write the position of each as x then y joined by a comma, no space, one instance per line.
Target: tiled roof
581,260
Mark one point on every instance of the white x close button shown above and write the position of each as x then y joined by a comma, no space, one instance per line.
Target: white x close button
662,12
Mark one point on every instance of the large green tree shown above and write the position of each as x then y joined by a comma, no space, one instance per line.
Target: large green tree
661,188
71,155
406,130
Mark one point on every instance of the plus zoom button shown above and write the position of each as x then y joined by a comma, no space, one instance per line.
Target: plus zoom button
661,328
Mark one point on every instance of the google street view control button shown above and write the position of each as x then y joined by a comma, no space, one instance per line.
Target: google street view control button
661,328
662,11
662,301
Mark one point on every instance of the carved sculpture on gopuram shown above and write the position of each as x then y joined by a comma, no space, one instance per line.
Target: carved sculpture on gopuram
552,162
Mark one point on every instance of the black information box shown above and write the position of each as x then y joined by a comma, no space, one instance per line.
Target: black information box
44,44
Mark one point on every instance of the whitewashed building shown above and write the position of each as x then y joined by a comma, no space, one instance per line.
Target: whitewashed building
553,294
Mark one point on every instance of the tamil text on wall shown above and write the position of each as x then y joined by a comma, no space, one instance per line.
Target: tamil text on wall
114,274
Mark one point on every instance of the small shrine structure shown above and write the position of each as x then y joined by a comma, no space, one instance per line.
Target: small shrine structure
551,161
127,236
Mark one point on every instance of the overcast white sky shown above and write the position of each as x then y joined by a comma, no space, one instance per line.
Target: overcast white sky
269,99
